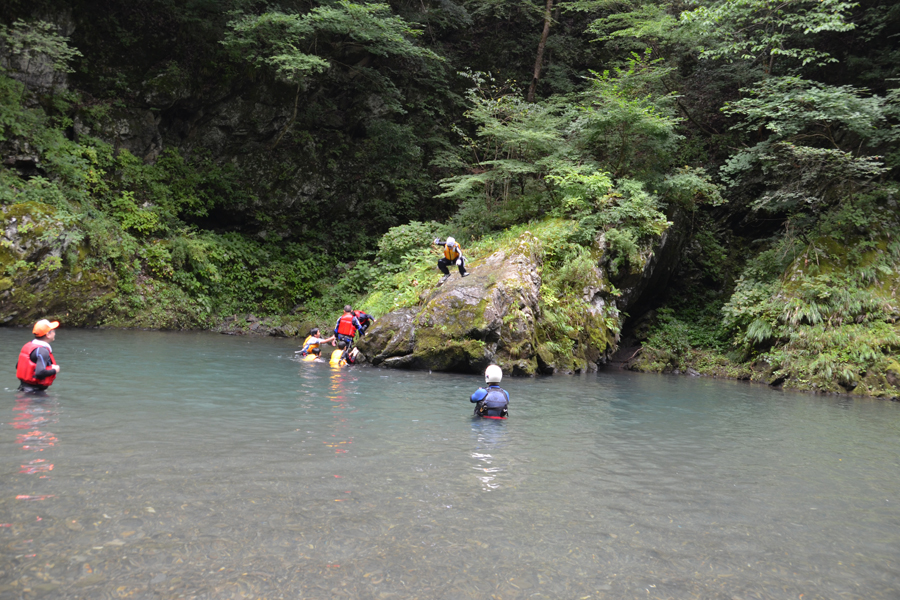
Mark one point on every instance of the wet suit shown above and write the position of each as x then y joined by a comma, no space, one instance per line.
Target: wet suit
492,401
346,337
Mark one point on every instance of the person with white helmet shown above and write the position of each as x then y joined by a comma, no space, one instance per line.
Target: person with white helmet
452,256
492,401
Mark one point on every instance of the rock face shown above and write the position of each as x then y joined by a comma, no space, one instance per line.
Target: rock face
468,323
42,274
36,69
659,263
495,316
498,315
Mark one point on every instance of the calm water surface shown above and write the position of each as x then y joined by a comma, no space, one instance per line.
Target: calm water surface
169,465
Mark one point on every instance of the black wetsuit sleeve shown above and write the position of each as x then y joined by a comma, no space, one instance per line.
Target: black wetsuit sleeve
41,358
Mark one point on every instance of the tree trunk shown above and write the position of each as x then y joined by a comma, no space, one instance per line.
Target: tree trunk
291,122
539,61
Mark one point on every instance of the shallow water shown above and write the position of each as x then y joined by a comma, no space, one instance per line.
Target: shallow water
168,465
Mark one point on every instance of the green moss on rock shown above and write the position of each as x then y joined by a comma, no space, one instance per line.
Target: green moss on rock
39,282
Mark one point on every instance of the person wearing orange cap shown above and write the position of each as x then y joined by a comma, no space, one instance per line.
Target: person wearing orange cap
37,368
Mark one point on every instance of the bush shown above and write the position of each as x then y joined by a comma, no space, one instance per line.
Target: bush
400,240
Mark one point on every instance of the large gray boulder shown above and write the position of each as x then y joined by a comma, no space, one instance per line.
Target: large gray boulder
495,316
498,315
468,323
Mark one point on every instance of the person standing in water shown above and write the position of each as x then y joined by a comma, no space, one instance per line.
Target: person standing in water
36,368
493,400
452,256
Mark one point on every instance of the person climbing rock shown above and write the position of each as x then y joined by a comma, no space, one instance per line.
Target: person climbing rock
312,342
452,256
491,401
36,368
346,326
364,321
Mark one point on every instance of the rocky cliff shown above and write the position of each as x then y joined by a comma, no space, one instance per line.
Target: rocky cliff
43,271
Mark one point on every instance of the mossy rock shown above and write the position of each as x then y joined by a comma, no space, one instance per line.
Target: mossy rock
892,373
40,280
491,316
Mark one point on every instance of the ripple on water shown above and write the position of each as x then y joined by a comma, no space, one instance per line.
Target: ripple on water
205,479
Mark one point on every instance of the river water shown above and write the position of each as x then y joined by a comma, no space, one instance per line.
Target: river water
169,465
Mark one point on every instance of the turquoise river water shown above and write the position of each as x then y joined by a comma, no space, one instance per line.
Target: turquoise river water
195,465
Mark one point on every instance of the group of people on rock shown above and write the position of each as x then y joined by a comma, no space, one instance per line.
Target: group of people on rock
357,321
345,330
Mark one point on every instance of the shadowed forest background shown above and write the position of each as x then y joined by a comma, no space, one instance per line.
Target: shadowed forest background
250,165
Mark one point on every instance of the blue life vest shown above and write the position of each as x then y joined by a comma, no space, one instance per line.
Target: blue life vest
494,404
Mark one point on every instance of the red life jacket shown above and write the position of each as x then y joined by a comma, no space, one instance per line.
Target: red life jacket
25,367
362,317
345,325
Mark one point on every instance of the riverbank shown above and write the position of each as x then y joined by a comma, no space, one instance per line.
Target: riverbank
703,363
627,357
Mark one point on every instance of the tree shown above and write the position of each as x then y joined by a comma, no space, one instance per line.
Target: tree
539,61
814,152
295,46
760,30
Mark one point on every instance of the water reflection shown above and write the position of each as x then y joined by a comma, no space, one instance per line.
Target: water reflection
339,395
488,435
33,415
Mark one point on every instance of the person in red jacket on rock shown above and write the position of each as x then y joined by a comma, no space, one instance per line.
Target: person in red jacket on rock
346,327
364,321
36,368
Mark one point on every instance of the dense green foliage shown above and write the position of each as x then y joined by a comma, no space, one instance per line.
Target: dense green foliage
221,158
130,215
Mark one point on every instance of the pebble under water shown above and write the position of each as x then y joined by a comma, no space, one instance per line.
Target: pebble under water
194,465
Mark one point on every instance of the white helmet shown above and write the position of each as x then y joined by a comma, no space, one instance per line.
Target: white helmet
451,241
493,374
